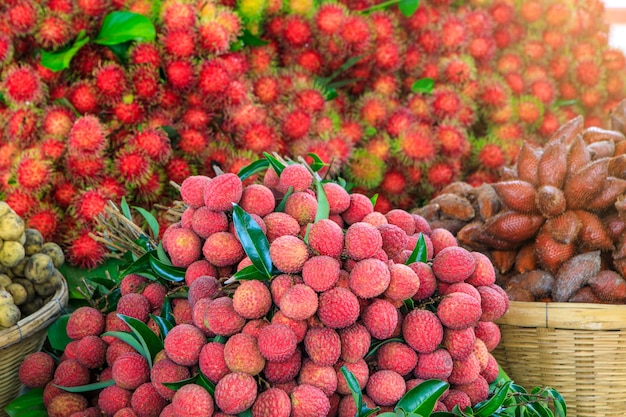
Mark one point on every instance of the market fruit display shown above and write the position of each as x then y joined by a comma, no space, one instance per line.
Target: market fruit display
28,268
328,286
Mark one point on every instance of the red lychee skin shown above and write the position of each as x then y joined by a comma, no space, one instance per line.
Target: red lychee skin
146,401
87,412
355,342
394,239
85,321
299,327
280,224
302,206
235,392
277,342
338,198
404,282
464,288
397,357
223,249
212,362
167,371
309,401
116,349
281,283
464,371
484,274
493,303
456,397
66,404
222,319
489,333
112,399
192,190
222,192
321,272
206,222
252,299
360,206
282,372
155,293
183,246
272,403
183,344
182,311
36,370
360,371
323,345
491,371
296,176
192,400
418,324
369,278
453,264
132,283
338,308
380,318
198,269
242,354
477,390
362,240
434,365
50,391
442,238
459,343
326,238
257,199
134,305
375,219
91,352
289,254
130,370
403,220
428,281
254,327
459,311
299,302
322,377
385,387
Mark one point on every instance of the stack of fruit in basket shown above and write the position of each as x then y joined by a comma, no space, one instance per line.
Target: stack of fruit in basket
330,283
554,225
28,268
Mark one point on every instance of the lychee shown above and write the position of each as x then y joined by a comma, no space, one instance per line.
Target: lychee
235,392
299,302
289,254
369,278
385,387
36,370
323,345
242,354
130,370
252,299
422,330
280,224
221,318
112,399
338,308
66,404
434,365
355,342
183,246
134,305
223,249
309,401
459,311
222,191
165,371
183,344
272,403
397,357
380,318
85,321
192,400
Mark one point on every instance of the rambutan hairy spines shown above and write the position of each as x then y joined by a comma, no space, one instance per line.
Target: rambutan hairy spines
110,82
356,31
22,86
388,55
32,172
491,156
296,124
458,69
192,142
146,83
111,188
84,252
154,142
93,8
22,125
83,97
213,78
6,49
394,182
529,110
84,169
196,118
372,109
151,190
23,16
365,170
179,43
180,74
45,218
329,18
133,164
445,103
415,144
452,140
296,31
399,121
213,37
258,138
57,121
128,113
87,136
21,201
453,36
145,53
88,204
266,89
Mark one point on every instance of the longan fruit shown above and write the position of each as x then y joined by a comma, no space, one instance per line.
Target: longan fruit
34,241
32,306
5,297
11,227
18,270
5,208
11,253
39,268
55,252
9,315
28,286
18,292
5,280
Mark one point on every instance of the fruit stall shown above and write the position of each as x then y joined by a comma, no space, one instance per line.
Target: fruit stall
289,208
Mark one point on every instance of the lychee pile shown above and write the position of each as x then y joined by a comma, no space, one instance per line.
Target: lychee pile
194,98
336,288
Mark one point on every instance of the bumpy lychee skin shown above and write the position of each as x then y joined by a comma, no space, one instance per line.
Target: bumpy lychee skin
454,264
71,373
146,401
355,342
198,269
493,303
321,272
131,370
66,404
183,344
460,343
442,238
369,278
464,371
184,247
91,351
85,321
338,308
323,345
222,192
277,342
456,397
282,372
272,403
296,176
322,377
385,387
301,206
289,254
381,319
422,330
192,400
36,370
477,390
489,333
462,287
257,199
252,299
428,281
192,190
202,287
299,302
404,282
394,239
484,274
337,196
360,206
326,238
402,219
397,357
205,222
459,311
309,401
360,371
211,361
134,305
223,249
241,354
112,399
235,392
434,365
362,241
167,371
221,318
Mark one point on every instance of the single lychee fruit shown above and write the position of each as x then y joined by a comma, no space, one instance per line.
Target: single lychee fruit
183,246
459,311
280,224
302,206
91,352
146,401
362,240
380,318
322,377
183,344
309,401
369,278
257,199
36,370
221,318
71,373
434,365
493,303
223,249
272,403
338,308
130,370
283,372
385,387
289,254
360,206
206,222
66,404
235,392
222,192
277,342
299,302
242,354
422,330
397,357
321,272
323,345
134,305
212,363
85,321
355,342
453,264
296,176
192,400
167,371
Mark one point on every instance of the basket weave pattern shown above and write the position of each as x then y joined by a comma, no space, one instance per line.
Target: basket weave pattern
22,339
579,349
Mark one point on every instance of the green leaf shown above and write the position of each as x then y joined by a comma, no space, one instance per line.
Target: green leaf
126,209
275,163
323,208
249,39
164,325
127,338
317,162
247,413
178,384
377,345
140,265
150,342
248,273
120,50
281,206
171,132
487,408
167,272
422,398
57,335
560,408
253,240
370,131
105,282
162,256
424,85
249,170
374,199
443,414
60,60
219,339
89,387
409,304
166,312
205,383
120,26
150,219
539,409
564,103
354,386
30,402
408,7
420,252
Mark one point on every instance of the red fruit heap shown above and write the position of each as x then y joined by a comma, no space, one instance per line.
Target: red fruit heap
332,295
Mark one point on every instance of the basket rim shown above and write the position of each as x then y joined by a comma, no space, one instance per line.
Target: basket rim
573,316
40,319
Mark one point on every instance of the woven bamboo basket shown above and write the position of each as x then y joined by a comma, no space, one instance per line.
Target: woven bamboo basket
26,337
579,349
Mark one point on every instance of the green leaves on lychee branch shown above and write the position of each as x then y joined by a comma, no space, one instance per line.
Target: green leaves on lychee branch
120,26
362,410
253,241
164,325
150,343
317,164
198,379
153,266
490,406
374,199
89,387
328,87
280,208
255,167
420,252
380,343
60,60
248,273
28,405
423,86
274,163
57,335
421,399
406,7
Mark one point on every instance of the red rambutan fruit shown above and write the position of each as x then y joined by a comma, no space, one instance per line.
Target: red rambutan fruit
179,43
262,58
543,90
266,89
22,16
529,110
502,13
177,170
531,11
22,126
477,178
89,204
230,21
45,219
355,30
246,115
491,156
192,142
111,188
445,103
61,6
84,168
549,124
612,59
213,38
93,8
559,66
399,121
591,98
494,94
588,73
21,201
384,25
458,70
196,118
54,32
133,164
83,97
64,193
87,136
482,48
128,113
568,91
452,33
7,154
418,105
309,100
614,85
145,53
430,41
329,18
177,14
373,110
85,252
146,83
32,171
258,138
57,121
22,85
154,142
310,61
180,74
6,49
509,62
110,82
452,140
296,31
441,174
556,14
152,188
213,78
515,82
387,56
296,124
508,132
553,38
478,22
386,85
417,144
237,92
394,182
341,148
352,130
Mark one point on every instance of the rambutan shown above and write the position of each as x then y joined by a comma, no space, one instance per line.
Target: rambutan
554,39
64,193
591,98
110,82
477,178
22,85
85,252
21,201
494,94
45,219
213,78
549,124
192,142
146,83
365,170
458,70
509,62
452,33
310,61
515,82
615,85
430,41
502,13
213,38
394,182
445,102
267,89
93,8
441,174
177,169
6,49
151,190
508,132
491,156
32,171
177,14
54,32
57,121
296,124
559,66
419,106
180,74
262,58
482,48
556,14
22,126
387,55
329,18
399,121
568,91
230,22
373,110
355,31
61,6
529,110
111,188
128,113
145,53
84,168
612,59
180,43
452,140
417,144
133,164
237,92
531,11
386,85
588,73
22,16
258,138
87,136
89,203
7,153
154,142
246,115
83,97
543,90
